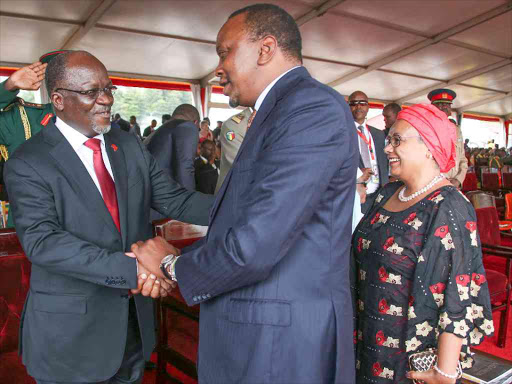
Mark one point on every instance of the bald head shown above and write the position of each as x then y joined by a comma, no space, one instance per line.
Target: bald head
186,112
358,102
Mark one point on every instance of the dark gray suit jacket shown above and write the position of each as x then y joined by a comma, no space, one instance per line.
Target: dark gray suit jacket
272,276
174,147
74,322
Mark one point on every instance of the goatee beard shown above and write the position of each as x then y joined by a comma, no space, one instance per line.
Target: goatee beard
101,129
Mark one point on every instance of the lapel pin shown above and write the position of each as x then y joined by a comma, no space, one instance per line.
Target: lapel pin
114,147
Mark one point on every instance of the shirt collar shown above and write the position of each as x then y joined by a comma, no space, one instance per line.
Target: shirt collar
364,123
265,92
75,138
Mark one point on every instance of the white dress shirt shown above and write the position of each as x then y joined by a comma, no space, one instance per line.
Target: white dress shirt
77,140
265,92
373,182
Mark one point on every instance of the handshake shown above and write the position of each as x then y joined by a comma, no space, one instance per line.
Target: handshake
151,280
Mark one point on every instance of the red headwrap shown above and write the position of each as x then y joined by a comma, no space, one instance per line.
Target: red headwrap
438,133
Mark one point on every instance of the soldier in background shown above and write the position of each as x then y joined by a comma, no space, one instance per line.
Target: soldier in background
443,98
20,120
231,136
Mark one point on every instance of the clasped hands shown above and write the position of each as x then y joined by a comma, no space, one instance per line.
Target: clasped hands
149,254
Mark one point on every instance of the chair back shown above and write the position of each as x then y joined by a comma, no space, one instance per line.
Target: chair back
488,225
506,180
490,181
470,182
508,206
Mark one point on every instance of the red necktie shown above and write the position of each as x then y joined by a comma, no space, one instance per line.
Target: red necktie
108,189
251,119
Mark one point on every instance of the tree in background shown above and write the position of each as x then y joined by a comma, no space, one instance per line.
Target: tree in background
147,104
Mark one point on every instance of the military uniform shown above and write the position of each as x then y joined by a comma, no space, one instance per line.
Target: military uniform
232,134
460,169
19,120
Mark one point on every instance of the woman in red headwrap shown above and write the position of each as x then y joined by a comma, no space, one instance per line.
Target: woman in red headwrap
419,279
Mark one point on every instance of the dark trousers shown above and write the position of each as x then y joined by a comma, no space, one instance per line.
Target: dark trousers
132,366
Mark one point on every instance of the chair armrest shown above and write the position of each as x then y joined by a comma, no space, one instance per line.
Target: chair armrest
496,252
497,247
506,234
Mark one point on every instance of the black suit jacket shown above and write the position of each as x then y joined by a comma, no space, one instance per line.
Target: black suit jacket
124,125
174,147
74,322
206,176
379,139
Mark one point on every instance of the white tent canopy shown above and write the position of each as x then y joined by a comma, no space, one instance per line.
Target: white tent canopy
393,50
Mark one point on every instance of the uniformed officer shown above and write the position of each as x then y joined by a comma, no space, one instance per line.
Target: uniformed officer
232,134
443,98
20,120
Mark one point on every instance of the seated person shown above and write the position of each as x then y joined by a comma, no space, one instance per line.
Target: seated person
206,172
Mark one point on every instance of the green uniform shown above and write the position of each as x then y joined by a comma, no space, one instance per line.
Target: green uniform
19,121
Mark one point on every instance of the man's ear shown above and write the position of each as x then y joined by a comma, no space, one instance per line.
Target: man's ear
58,101
268,48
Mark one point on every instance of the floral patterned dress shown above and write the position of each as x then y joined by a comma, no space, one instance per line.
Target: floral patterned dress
416,274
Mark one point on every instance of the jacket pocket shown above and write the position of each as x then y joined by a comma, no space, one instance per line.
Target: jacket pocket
45,302
260,312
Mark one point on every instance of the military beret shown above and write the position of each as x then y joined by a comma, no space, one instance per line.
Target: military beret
441,95
47,57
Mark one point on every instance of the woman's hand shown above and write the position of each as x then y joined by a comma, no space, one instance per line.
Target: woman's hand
430,377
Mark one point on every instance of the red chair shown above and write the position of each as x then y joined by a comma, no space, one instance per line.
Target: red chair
497,263
506,180
14,285
470,182
490,182
178,324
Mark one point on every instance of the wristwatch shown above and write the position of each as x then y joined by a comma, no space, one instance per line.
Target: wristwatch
167,266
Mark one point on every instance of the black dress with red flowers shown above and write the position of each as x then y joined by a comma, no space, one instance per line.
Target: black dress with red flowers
416,274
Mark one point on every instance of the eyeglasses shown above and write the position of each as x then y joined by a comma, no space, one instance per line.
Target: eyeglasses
358,102
93,93
395,140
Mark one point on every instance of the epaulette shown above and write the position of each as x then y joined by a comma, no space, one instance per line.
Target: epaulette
238,118
13,103
31,105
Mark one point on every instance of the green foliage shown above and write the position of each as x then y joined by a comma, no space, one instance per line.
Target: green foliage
147,104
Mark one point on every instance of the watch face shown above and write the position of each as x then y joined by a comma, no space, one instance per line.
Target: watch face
167,259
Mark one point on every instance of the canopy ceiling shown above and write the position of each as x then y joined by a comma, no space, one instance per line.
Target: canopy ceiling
393,50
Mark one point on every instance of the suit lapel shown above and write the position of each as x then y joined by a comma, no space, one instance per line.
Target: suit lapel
116,157
261,115
77,175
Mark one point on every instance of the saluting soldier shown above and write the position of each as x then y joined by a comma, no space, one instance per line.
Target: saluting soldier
20,120
232,134
443,98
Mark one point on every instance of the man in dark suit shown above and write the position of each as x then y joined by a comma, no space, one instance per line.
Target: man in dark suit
272,275
149,129
373,162
80,196
206,171
174,147
123,124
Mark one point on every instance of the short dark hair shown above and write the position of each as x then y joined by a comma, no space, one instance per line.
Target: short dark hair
133,117
186,112
166,117
267,19
394,107
55,71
